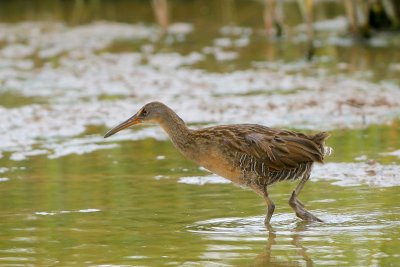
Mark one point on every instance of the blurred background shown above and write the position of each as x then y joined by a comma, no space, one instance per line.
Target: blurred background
70,70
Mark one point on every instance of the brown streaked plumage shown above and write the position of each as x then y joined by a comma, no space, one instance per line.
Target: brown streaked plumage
247,154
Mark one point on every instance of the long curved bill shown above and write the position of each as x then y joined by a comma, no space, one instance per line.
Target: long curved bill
129,122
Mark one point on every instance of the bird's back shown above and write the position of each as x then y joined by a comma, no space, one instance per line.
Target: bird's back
259,154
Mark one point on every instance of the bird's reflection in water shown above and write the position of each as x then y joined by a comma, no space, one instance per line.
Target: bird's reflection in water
284,237
267,258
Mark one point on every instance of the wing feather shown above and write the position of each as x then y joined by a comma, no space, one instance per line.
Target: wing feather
273,149
279,150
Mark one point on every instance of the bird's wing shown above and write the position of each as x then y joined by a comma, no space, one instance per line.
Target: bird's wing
279,150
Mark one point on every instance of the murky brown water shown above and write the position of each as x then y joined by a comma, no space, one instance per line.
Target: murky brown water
70,198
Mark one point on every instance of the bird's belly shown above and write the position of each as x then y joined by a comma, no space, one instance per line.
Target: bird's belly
220,166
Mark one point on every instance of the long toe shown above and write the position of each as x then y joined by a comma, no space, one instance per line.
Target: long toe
307,216
313,218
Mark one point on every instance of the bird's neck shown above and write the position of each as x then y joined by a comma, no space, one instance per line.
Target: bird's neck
179,133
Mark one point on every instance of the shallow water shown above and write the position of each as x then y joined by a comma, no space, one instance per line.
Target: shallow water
130,206
70,198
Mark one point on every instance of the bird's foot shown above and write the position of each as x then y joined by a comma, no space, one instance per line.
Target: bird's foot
307,216
293,201
300,210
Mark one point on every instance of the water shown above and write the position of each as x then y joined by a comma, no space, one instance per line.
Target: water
70,198
113,208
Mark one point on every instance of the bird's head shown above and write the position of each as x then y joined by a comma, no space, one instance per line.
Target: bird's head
152,112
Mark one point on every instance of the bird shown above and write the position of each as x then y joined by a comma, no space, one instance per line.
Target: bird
250,155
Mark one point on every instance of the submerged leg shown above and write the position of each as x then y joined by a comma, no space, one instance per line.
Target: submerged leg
297,206
262,191
271,206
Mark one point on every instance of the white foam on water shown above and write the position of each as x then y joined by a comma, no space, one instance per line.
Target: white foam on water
23,155
62,150
395,153
136,257
180,28
202,180
338,24
88,210
355,174
52,213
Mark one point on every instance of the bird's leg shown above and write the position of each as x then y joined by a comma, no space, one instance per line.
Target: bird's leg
270,204
297,206
262,191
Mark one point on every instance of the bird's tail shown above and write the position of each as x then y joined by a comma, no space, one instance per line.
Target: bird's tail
327,151
320,138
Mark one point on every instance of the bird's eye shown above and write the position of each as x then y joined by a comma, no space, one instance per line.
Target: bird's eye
144,112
